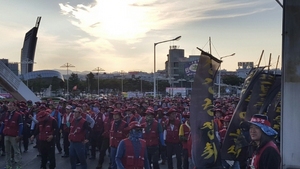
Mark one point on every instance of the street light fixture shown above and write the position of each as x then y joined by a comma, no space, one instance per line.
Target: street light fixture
98,69
67,65
154,75
219,78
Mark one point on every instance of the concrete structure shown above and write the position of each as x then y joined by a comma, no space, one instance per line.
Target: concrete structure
244,68
28,50
14,67
12,84
290,135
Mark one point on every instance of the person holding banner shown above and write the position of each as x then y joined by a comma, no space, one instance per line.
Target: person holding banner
266,154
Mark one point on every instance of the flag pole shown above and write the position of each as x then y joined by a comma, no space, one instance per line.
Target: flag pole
262,53
269,62
277,64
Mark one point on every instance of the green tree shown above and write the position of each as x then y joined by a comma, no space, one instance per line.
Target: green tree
73,81
232,80
89,81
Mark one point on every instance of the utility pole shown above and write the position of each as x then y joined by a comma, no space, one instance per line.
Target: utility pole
67,65
98,69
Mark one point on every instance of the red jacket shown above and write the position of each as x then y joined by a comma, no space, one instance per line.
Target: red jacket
65,121
46,129
152,136
173,135
77,133
106,127
256,157
11,126
128,160
116,135
99,125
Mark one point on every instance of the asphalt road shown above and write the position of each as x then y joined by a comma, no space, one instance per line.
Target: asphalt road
31,161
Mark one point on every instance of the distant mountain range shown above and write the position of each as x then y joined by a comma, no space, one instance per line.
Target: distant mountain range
64,72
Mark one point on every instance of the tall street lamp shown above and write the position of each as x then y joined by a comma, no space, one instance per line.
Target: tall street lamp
98,69
154,76
219,78
67,65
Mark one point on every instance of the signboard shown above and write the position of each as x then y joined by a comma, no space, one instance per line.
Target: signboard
191,67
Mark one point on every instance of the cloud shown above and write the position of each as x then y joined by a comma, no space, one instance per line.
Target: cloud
130,21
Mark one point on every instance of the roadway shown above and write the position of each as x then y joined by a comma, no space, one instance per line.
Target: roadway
31,161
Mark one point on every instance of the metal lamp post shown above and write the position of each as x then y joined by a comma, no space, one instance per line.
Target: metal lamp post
219,77
154,71
98,69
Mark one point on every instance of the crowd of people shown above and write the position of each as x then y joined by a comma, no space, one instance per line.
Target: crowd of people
136,133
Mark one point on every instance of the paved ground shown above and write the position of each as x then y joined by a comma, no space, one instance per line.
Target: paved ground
31,161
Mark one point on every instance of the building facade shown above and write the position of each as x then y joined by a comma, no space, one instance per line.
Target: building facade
175,67
28,50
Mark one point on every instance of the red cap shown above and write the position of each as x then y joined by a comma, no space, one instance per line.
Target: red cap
135,124
116,111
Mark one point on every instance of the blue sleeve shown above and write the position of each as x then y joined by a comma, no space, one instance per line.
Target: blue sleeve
119,155
161,139
161,135
90,120
20,129
58,120
1,128
146,161
20,121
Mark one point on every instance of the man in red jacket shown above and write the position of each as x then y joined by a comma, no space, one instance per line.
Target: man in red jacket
108,118
132,151
46,129
153,135
12,130
172,139
118,132
78,138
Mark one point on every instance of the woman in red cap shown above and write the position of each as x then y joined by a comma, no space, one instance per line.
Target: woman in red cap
266,154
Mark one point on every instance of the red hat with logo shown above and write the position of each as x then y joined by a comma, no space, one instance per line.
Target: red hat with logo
262,122
135,125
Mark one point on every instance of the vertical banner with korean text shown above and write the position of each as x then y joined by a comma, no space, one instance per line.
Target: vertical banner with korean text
259,93
205,145
234,139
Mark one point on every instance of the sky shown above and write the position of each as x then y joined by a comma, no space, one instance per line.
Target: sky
119,35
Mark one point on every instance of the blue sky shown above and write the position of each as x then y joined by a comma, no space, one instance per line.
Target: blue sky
119,34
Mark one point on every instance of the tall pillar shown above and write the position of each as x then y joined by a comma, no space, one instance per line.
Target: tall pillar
290,110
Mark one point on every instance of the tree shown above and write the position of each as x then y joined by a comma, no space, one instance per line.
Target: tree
73,81
89,81
233,80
